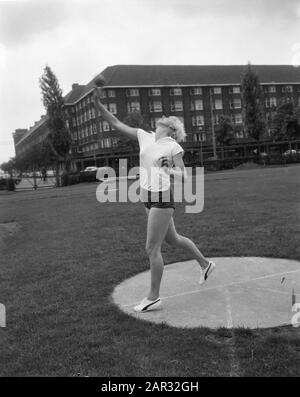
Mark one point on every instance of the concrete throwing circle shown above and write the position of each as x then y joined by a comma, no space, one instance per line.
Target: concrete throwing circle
242,292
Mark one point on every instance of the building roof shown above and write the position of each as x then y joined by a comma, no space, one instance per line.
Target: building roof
74,94
186,75
33,129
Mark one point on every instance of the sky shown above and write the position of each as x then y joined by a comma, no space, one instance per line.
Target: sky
80,38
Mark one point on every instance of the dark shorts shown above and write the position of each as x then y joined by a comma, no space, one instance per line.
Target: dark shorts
163,199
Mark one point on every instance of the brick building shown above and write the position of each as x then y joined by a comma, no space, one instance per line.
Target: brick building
26,138
198,95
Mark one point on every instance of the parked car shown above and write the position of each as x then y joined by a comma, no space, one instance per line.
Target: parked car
88,174
291,152
90,169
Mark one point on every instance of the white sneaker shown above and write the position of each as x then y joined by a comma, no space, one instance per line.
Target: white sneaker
146,305
206,272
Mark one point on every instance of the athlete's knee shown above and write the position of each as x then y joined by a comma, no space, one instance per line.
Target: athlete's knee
152,249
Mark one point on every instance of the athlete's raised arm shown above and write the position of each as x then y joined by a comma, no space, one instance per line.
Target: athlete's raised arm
111,119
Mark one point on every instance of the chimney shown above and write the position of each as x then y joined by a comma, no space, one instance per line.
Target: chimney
74,86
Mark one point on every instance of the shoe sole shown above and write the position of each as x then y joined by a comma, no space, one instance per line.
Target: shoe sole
210,269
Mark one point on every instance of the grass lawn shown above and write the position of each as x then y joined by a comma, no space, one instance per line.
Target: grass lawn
68,252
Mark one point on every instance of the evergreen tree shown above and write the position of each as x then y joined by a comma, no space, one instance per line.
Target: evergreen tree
252,98
59,139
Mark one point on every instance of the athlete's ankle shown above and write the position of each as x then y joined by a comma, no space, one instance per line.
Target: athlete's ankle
152,297
204,264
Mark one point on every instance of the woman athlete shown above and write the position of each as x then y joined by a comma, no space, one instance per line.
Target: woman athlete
160,157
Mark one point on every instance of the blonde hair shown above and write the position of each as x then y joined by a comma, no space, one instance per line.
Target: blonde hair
175,125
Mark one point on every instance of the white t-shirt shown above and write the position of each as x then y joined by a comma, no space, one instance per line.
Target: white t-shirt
152,176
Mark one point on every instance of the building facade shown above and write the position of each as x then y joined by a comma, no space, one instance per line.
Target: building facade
198,95
24,139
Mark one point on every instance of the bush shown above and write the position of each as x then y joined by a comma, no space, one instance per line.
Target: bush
73,179
10,184
3,184
70,179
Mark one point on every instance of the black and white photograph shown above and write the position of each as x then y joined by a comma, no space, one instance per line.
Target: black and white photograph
149,192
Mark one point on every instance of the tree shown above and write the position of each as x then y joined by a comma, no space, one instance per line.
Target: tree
9,166
224,131
286,122
252,99
39,155
59,138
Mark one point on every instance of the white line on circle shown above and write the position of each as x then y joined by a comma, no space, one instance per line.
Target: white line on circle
222,286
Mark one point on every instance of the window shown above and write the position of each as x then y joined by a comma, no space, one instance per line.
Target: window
217,90
196,91
239,134
216,118
175,91
154,92
111,93
270,102
155,106
102,94
199,137
237,118
218,104
88,100
197,120
94,128
112,107
234,90
235,103
105,126
176,106
270,89
132,92
105,143
287,88
74,122
133,107
93,114
197,104
114,141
